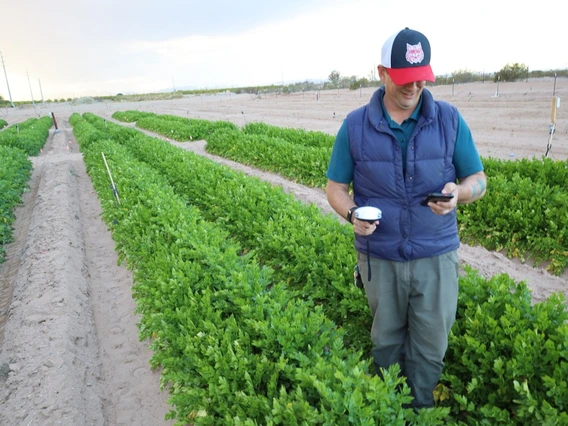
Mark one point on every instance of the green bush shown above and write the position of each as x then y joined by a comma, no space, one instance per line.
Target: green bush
507,361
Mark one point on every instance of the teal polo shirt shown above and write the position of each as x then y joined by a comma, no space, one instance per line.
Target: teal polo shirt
466,158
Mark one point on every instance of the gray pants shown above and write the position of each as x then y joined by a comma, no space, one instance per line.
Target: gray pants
414,307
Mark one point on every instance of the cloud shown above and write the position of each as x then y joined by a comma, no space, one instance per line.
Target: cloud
298,48
125,47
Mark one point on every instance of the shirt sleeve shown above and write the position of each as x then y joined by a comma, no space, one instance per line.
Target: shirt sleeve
466,158
340,167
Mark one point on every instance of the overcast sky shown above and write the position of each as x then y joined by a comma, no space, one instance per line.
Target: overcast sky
72,48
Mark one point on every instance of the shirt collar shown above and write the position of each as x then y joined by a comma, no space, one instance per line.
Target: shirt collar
414,116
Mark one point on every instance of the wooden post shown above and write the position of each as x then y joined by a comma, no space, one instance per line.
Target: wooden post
54,121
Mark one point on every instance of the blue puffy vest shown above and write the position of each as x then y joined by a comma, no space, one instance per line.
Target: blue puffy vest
407,229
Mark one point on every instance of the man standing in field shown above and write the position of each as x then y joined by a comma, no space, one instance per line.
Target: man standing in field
397,149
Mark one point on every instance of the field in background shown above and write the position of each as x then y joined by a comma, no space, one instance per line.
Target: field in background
513,124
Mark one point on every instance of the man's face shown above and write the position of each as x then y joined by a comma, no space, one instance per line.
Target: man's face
400,98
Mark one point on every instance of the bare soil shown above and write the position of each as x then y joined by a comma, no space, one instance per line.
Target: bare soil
70,353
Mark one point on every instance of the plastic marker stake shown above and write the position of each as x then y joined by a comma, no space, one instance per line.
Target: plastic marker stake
555,102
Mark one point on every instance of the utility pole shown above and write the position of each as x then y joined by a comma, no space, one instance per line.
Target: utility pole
6,75
41,91
29,84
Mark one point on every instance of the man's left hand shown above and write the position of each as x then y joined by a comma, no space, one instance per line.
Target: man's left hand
445,207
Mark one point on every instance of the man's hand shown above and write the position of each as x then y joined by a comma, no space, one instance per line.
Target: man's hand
444,207
364,228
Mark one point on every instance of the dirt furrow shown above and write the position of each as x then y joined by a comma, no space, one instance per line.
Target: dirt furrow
71,354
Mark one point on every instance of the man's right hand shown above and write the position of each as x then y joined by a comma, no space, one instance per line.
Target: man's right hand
364,228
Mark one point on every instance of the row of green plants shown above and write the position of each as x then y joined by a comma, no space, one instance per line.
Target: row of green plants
313,258
523,214
17,143
299,163
296,154
174,127
7,103
297,136
29,136
507,360
301,137
282,232
235,344
15,170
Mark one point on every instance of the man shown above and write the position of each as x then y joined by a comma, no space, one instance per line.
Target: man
395,150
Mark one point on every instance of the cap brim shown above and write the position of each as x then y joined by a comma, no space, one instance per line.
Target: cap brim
402,76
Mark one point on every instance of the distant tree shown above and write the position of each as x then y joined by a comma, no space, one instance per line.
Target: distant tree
462,76
62,100
334,78
512,72
347,81
1,98
356,84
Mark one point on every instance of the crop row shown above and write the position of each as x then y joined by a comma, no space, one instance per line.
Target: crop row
17,142
310,259
172,126
282,232
524,212
14,175
29,136
296,154
237,346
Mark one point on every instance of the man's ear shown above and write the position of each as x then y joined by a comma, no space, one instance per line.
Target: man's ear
382,73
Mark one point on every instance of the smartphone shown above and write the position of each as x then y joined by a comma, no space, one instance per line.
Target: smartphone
435,197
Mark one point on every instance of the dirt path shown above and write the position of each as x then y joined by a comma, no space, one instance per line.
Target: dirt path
71,353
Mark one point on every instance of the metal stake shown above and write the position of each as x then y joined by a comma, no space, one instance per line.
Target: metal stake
113,186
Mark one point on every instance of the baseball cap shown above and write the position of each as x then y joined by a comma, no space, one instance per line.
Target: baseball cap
406,55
